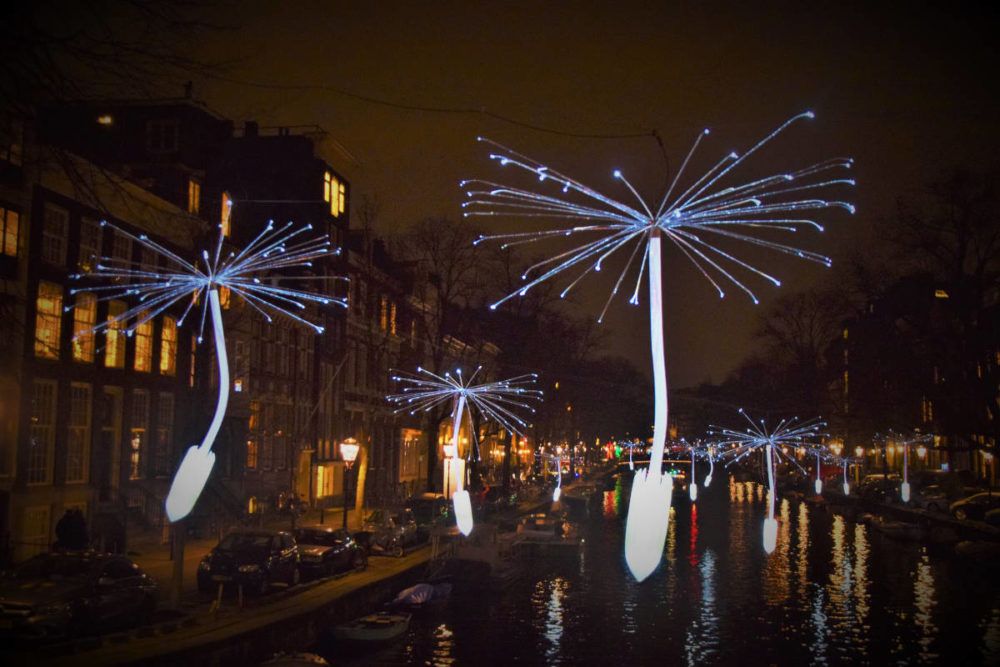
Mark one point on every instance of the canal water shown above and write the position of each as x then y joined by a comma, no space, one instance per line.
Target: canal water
834,592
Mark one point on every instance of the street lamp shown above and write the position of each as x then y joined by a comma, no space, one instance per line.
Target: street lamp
349,452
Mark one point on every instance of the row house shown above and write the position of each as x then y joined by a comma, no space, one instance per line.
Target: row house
908,362
89,420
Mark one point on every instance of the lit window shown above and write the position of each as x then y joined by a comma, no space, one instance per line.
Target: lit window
251,453
225,295
137,441
144,343
84,319
48,320
114,336
383,313
334,192
194,196
55,224
78,441
940,294
168,346
106,119
90,244
392,318
10,222
227,212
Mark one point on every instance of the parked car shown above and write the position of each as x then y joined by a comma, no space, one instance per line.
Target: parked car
975,507
430,510
390,531
324,551
69,594
879,486
933,498
252,558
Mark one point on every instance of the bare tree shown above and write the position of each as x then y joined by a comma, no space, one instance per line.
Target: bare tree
450,284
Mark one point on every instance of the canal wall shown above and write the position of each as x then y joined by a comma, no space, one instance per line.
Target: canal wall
245,637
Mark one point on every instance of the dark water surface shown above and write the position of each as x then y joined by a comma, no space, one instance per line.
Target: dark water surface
834,592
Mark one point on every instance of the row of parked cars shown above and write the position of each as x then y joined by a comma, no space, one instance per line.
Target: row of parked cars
69,594
938,491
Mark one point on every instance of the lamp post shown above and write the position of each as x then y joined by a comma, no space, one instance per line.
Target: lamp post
349,452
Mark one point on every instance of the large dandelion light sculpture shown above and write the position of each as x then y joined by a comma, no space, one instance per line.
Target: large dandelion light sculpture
772,441
249,274
500,401
695,219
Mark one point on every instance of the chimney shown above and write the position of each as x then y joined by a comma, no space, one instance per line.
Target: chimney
250,128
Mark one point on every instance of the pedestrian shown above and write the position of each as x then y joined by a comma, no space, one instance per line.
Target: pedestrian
63,530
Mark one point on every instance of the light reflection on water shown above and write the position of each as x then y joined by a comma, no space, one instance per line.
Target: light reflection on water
833,592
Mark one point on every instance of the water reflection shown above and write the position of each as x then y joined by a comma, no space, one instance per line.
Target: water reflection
923,597
443,645
703,634
833,592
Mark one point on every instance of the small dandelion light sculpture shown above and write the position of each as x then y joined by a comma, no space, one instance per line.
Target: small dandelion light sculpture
772,441
846,461
693,486
701,220
904,442
248,274
557,492
500,401
818,484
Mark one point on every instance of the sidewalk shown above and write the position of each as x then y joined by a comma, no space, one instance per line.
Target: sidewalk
155,558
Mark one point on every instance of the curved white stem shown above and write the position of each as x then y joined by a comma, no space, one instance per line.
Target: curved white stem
819,480
659,355
770,523
847,486
191,476
711,467
652,491
460,499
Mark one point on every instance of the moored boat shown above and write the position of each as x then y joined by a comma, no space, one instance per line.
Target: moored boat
379,627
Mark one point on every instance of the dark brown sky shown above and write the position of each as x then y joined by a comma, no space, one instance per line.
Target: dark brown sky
907,91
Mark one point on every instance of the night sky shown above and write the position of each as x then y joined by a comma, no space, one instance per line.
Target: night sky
906,90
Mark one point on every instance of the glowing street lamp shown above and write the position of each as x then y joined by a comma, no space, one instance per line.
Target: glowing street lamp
349,453
694,221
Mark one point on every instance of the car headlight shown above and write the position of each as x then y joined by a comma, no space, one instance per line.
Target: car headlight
247,569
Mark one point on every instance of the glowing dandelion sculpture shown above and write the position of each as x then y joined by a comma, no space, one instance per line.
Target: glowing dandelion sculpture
156,289
693,486
904,442
771,441
557,492
499,401
696,220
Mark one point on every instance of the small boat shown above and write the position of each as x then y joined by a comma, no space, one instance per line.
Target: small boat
900,530
421,595
979,550
296,659
379,627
